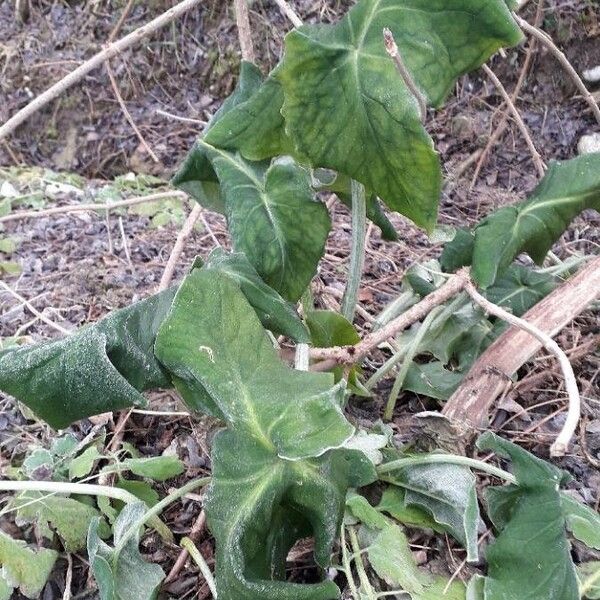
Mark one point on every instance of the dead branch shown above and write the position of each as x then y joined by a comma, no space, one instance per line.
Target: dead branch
535,155
560,446
185,232
80,72
244,31
94,207
547,41
351,354
473,400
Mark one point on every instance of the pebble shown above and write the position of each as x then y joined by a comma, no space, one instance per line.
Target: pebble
589,144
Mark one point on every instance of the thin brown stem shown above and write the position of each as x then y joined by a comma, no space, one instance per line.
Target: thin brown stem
115,87
244,30
547,41
352,354
106,54
185,232
535,155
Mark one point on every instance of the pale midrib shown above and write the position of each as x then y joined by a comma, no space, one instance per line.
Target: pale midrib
264,198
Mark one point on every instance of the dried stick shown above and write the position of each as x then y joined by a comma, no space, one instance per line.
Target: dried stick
560,446
547,41
106,54
537,159
34,310
121,21
473,401
185,232
58,210
194,534
127,114
244,31
289,12
392,49
352,354
501,128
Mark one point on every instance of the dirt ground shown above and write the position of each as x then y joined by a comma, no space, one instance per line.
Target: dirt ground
76,268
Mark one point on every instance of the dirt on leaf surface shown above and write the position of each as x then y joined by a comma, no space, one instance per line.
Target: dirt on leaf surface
76,268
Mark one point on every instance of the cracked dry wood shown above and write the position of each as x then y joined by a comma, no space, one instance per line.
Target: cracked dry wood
472,402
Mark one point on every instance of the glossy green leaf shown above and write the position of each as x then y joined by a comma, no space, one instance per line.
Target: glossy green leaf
158,468
448,494
393,502
328,329
535,225
274,219
346,108
101,368
361,509
197,176
140,489
274,312
287,426
530,558
582,521
229,353
521,288
24,568
123,575
83,464
255,126
391,558
67,516
433,380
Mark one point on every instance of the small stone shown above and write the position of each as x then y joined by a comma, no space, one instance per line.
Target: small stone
592,75
589,144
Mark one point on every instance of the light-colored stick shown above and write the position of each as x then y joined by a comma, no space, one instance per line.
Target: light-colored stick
289,12
352,354
58,210
138,133
34,310
535,155
185,232
547,41
560,446
109,52
244,31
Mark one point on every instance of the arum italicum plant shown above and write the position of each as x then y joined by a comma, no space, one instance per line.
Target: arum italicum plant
335,115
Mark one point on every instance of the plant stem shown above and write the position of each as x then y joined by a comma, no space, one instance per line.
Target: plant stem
587,585
409,356
244,31
157,509
199,560
83,489
446,459
367,590
347,566
357,258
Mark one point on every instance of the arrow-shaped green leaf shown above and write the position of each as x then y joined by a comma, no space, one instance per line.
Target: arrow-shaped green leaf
279,473
274,219
347,108
532,226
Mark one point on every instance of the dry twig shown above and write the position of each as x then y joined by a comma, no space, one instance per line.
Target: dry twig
289,12
560,446
185,232
392,49
115,87
59,210
244,31
109,52
535,155
547,41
